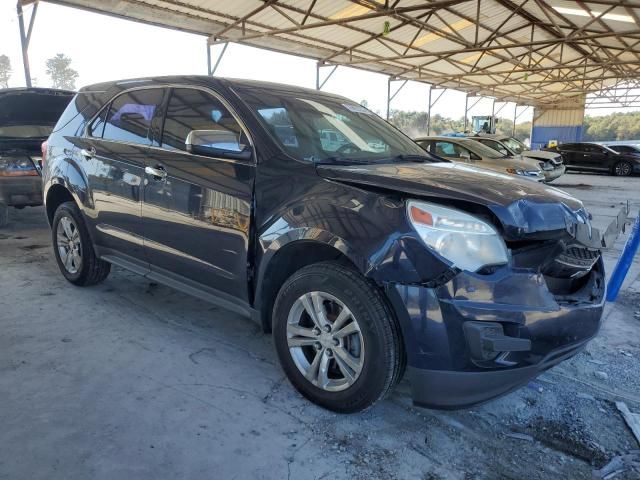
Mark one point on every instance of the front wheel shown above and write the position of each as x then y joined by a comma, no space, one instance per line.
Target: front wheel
336,338
622,169
73,248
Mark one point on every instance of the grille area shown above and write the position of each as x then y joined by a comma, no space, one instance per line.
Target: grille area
570,270
578,257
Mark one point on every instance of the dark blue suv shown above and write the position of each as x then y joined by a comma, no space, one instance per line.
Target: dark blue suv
361,252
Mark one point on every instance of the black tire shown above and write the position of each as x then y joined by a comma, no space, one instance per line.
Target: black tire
92,270
4,215
622,169
383,356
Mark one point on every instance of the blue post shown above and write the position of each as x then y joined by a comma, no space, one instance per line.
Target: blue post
624,262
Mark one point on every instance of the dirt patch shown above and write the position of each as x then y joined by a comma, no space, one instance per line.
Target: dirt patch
569,436
33,247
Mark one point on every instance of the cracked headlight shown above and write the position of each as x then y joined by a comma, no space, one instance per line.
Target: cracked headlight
468,242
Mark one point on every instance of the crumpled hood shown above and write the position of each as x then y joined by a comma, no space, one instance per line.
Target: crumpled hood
523,207
541,154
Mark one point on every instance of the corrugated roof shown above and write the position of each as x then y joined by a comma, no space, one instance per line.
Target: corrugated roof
538,52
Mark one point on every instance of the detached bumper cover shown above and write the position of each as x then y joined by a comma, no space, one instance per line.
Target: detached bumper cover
442,368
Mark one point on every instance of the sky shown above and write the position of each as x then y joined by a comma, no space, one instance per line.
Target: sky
105,48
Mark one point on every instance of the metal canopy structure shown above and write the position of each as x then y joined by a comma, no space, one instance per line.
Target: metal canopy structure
537,52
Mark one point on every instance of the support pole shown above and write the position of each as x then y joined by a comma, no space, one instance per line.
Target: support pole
515,117
215,67
624,262
429,112
466,105
25,38
388,96
320,84
208,58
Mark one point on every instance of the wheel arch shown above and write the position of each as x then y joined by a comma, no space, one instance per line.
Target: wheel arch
288,255
57,194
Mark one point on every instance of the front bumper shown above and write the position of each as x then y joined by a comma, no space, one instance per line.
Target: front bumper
551,175
21,191
441,364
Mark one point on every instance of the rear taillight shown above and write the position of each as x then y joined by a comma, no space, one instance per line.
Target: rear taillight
43,148
17,167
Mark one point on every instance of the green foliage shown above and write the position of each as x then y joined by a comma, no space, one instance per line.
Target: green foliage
5,71
616,126
414,124
61,73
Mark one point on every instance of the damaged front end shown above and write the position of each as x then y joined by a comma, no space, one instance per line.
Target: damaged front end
475,335
492,279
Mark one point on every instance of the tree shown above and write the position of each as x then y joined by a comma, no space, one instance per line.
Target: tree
61,73
5,71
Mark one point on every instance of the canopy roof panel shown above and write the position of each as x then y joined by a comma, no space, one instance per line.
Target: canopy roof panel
538,52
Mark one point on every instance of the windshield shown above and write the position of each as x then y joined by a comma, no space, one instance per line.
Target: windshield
323,128
482,150
514,145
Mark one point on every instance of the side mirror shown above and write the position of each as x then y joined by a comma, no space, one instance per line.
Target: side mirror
217,143
466,157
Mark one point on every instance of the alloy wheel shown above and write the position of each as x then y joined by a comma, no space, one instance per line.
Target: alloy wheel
622,169
69,245
325,341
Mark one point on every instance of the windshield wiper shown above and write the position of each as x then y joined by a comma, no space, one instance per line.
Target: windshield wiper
365,161
339,160
409,158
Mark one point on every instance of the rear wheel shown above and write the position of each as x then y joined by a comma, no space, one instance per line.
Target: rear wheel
337,340
622,169
73,248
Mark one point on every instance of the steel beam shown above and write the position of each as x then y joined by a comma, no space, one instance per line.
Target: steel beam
320,84
466,108
391,96
25,38
429,111
212,71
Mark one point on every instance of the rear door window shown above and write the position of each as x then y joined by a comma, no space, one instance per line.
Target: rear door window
448,149
130,116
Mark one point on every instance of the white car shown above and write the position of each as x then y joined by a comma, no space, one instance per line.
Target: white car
462,149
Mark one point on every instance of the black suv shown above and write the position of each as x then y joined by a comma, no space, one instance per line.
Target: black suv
362,253
599,158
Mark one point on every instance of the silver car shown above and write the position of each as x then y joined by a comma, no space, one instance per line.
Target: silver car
461,149
551,162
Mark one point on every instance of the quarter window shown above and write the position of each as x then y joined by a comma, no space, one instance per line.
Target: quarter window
130,116
200,117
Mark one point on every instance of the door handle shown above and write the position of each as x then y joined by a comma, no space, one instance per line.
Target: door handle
88,152
158,172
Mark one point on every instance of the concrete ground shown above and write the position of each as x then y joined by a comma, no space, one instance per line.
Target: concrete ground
133,380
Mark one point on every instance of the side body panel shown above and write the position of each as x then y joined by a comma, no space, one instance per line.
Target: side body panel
196,221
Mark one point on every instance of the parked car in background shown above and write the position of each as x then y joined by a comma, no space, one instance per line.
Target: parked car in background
633,149
466,150
550,162
362,260
27,116
598,158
